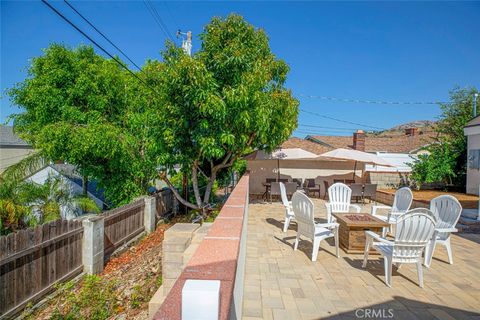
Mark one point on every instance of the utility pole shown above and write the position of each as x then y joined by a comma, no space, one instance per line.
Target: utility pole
186,41
475,95
187,48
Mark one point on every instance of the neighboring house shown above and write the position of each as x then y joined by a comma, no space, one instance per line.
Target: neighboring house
12,148
472,131
296,158
399,148
73,182
411,141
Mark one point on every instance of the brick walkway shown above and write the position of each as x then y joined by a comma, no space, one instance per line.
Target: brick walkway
284,284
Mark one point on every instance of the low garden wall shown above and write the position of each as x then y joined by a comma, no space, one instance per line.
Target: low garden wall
219,256
421,199
387,197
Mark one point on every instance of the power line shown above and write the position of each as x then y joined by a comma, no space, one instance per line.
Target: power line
340,120
153,11
99,46
373,101
323,127
103,35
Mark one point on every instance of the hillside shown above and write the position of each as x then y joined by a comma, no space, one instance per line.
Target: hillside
423,126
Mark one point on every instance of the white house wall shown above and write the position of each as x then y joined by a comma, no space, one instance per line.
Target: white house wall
41,177
473,175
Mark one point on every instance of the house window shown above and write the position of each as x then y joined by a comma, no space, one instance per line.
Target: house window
474,159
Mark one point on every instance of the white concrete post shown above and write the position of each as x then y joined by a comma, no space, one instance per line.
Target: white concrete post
93,255
149,214
201,300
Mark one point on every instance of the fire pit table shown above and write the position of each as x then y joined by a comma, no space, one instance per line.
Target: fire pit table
352,230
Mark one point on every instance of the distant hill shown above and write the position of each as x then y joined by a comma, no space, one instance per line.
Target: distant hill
414,124
424,126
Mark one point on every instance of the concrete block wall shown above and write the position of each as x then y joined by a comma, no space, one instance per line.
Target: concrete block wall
92,247
179,244
388,179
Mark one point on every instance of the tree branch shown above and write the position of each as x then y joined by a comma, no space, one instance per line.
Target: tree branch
163,176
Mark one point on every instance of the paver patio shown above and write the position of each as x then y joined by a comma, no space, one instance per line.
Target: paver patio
284,284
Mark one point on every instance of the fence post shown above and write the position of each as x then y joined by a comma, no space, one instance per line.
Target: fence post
93,255
149,214
175,205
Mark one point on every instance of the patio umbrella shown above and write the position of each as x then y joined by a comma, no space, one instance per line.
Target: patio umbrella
357,156
278,155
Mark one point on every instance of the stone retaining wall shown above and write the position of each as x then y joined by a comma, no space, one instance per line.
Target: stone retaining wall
179,244
387,198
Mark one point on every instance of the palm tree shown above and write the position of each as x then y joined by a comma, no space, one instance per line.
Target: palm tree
24,204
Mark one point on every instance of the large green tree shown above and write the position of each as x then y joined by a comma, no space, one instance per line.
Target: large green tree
447,158
87,110
226,100
202,112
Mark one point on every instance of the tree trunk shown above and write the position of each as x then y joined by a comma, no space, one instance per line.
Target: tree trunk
85,186
163,176
196,191
208,190
185,190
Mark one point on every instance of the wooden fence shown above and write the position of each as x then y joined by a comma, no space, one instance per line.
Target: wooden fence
165,203
123,224
33,260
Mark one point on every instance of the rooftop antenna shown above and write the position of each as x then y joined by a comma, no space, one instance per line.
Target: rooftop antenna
186,41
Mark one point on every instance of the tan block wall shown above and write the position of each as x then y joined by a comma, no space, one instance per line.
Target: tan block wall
179,244
386,180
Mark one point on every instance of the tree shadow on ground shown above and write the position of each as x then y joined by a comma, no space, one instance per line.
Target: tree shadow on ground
475,237
305,245
376,268
403,308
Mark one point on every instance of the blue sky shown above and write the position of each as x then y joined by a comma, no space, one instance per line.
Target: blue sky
395,51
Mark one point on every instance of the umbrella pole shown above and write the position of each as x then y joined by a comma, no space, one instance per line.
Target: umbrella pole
278,169
354,169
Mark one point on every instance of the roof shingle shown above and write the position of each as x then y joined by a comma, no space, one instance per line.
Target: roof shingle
9,138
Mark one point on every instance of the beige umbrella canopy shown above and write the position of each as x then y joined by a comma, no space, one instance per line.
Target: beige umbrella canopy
355,155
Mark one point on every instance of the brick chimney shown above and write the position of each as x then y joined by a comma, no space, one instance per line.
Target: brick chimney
411,131
359,140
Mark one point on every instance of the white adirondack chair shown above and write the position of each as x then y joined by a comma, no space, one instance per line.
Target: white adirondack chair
339,197
304,214
413,231
447,210
289,215
401,204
